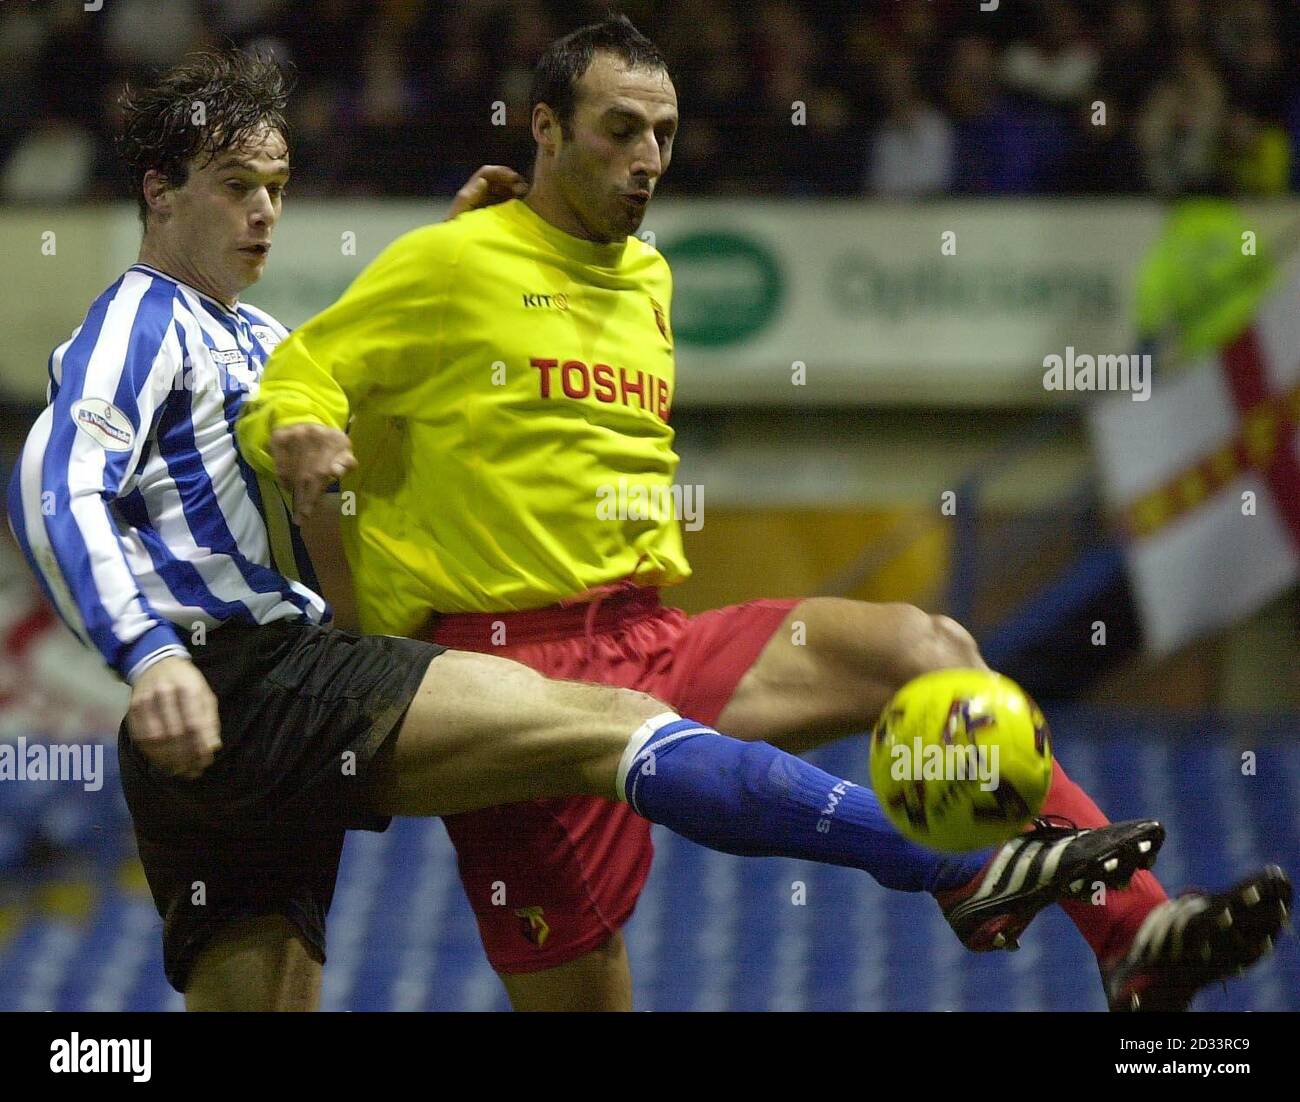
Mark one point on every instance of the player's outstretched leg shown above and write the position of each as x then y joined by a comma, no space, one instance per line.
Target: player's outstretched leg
851,658
1196,940
1110,926
483,731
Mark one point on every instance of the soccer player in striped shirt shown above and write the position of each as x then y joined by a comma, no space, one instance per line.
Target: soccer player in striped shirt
497,375
256,735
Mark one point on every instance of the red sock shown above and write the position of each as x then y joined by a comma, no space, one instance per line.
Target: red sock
1111,927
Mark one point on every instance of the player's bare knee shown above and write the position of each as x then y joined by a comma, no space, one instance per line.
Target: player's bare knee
261,963
611,720
592,729
926,642
931,642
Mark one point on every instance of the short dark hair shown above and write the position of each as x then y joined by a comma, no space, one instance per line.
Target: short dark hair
567,59
239,93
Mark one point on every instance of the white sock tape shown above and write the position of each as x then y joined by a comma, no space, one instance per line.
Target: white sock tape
635,744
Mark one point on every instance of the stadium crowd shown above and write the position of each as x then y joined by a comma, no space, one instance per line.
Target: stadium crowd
899,97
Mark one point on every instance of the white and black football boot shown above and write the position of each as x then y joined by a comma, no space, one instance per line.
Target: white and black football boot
1198,939
1046,864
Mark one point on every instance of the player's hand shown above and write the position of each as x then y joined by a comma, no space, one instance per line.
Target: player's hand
173,718
308,458
490,184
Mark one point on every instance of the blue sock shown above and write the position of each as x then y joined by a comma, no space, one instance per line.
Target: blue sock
751,799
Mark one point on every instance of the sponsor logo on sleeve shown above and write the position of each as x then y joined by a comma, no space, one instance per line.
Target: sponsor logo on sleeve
104,423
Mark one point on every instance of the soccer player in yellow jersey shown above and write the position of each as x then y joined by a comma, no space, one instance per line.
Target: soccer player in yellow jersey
480,388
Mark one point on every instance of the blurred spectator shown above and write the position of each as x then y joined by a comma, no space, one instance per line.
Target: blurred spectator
378,130
1257,156
717,89
912,151
73,67
1184,23
916,31
53,163
1292,123
1237,24
22,100
1103,157
1125,68
244,18
152,33
799,145
1058,64
1002,148
324,40
1182,125
1257,78
396,97
528,33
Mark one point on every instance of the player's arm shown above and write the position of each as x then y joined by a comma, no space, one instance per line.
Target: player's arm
75,462
320,533
368,347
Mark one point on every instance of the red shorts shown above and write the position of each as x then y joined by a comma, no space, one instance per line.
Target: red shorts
551,880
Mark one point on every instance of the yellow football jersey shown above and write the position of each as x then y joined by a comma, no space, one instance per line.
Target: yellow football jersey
508,388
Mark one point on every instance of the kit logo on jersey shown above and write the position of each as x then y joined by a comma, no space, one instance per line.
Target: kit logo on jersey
104,423
546,302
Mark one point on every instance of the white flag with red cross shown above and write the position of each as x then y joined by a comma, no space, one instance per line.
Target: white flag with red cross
1204,480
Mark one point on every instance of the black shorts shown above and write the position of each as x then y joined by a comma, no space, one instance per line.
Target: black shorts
305,714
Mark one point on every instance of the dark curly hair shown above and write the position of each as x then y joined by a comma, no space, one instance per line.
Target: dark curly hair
239,93
567,59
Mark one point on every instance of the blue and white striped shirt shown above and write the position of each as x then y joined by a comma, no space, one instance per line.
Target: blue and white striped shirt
130,500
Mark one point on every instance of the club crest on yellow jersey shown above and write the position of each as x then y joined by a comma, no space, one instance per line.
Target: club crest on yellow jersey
661,320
